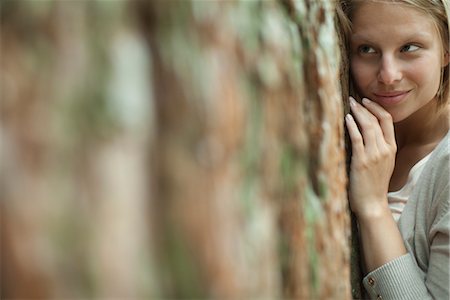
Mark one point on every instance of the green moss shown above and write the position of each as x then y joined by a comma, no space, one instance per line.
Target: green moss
314,215
245,18
251,155
288,170
313,260
284,255
180,268
323,191
313,207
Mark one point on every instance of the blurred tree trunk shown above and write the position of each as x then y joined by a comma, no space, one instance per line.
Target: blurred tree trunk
74,131
248,157
172,149
355,255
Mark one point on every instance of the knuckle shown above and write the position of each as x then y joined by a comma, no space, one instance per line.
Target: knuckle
357,140
369,122
362,164
369,129
372,118
386,116
385,154
394,149
375,159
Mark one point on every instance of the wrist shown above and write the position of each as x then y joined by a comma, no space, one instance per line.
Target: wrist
377,211
381,239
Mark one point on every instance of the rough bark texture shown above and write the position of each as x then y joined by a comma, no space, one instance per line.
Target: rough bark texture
73,131
249,168
172,149
355,256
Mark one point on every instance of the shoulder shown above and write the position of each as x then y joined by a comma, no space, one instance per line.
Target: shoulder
442,150
436,183
437,169
431,196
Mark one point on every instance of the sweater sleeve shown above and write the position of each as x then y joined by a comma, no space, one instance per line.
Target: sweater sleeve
437,278
402,278
398,279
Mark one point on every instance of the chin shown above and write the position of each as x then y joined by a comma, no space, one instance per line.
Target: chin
398,118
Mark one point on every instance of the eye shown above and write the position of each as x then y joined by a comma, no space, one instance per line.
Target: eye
409,48
365,49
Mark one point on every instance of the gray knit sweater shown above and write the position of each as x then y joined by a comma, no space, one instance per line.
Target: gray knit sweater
423,273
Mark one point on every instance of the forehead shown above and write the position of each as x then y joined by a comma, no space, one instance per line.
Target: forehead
380,19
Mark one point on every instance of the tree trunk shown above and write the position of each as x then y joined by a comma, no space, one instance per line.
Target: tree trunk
249,168
172,149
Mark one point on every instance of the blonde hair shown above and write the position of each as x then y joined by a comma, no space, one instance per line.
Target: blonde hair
438,10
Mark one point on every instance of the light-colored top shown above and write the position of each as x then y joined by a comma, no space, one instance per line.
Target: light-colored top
397,200
422,273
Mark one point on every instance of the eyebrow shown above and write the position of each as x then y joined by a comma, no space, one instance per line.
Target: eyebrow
416,35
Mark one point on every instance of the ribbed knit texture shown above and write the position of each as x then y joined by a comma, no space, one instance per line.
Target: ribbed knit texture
424,224
396,280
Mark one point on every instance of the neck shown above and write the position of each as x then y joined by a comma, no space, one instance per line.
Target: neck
426,126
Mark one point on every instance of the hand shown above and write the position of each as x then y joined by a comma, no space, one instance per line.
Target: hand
373,157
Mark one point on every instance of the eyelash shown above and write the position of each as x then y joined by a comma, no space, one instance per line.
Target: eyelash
364,49
410,45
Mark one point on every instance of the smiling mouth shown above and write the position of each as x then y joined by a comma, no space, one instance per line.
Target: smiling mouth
389,98
390,94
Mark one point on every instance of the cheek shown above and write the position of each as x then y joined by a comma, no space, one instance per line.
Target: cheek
426,74
361,73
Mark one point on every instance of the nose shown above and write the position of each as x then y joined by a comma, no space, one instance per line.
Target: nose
389,71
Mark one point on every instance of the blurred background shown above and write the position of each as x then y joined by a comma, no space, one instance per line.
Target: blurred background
171,149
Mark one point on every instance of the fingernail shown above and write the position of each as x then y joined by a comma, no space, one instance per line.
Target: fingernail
366,101
348,117
352,101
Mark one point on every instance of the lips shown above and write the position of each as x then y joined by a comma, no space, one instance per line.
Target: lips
390,98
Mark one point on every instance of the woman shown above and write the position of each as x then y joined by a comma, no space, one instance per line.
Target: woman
398,52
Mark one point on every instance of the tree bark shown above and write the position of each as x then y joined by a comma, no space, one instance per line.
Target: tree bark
172,149
249,163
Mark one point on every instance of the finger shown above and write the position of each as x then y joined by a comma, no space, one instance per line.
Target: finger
355,136
370,128
385,119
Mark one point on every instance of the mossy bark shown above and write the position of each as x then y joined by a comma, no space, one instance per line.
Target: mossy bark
172,149
249,165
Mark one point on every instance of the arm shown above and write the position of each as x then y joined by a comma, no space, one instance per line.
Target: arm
380,238
437,278
424,275
394,273
374,148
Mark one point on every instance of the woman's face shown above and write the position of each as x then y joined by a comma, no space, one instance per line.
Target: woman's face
396,57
